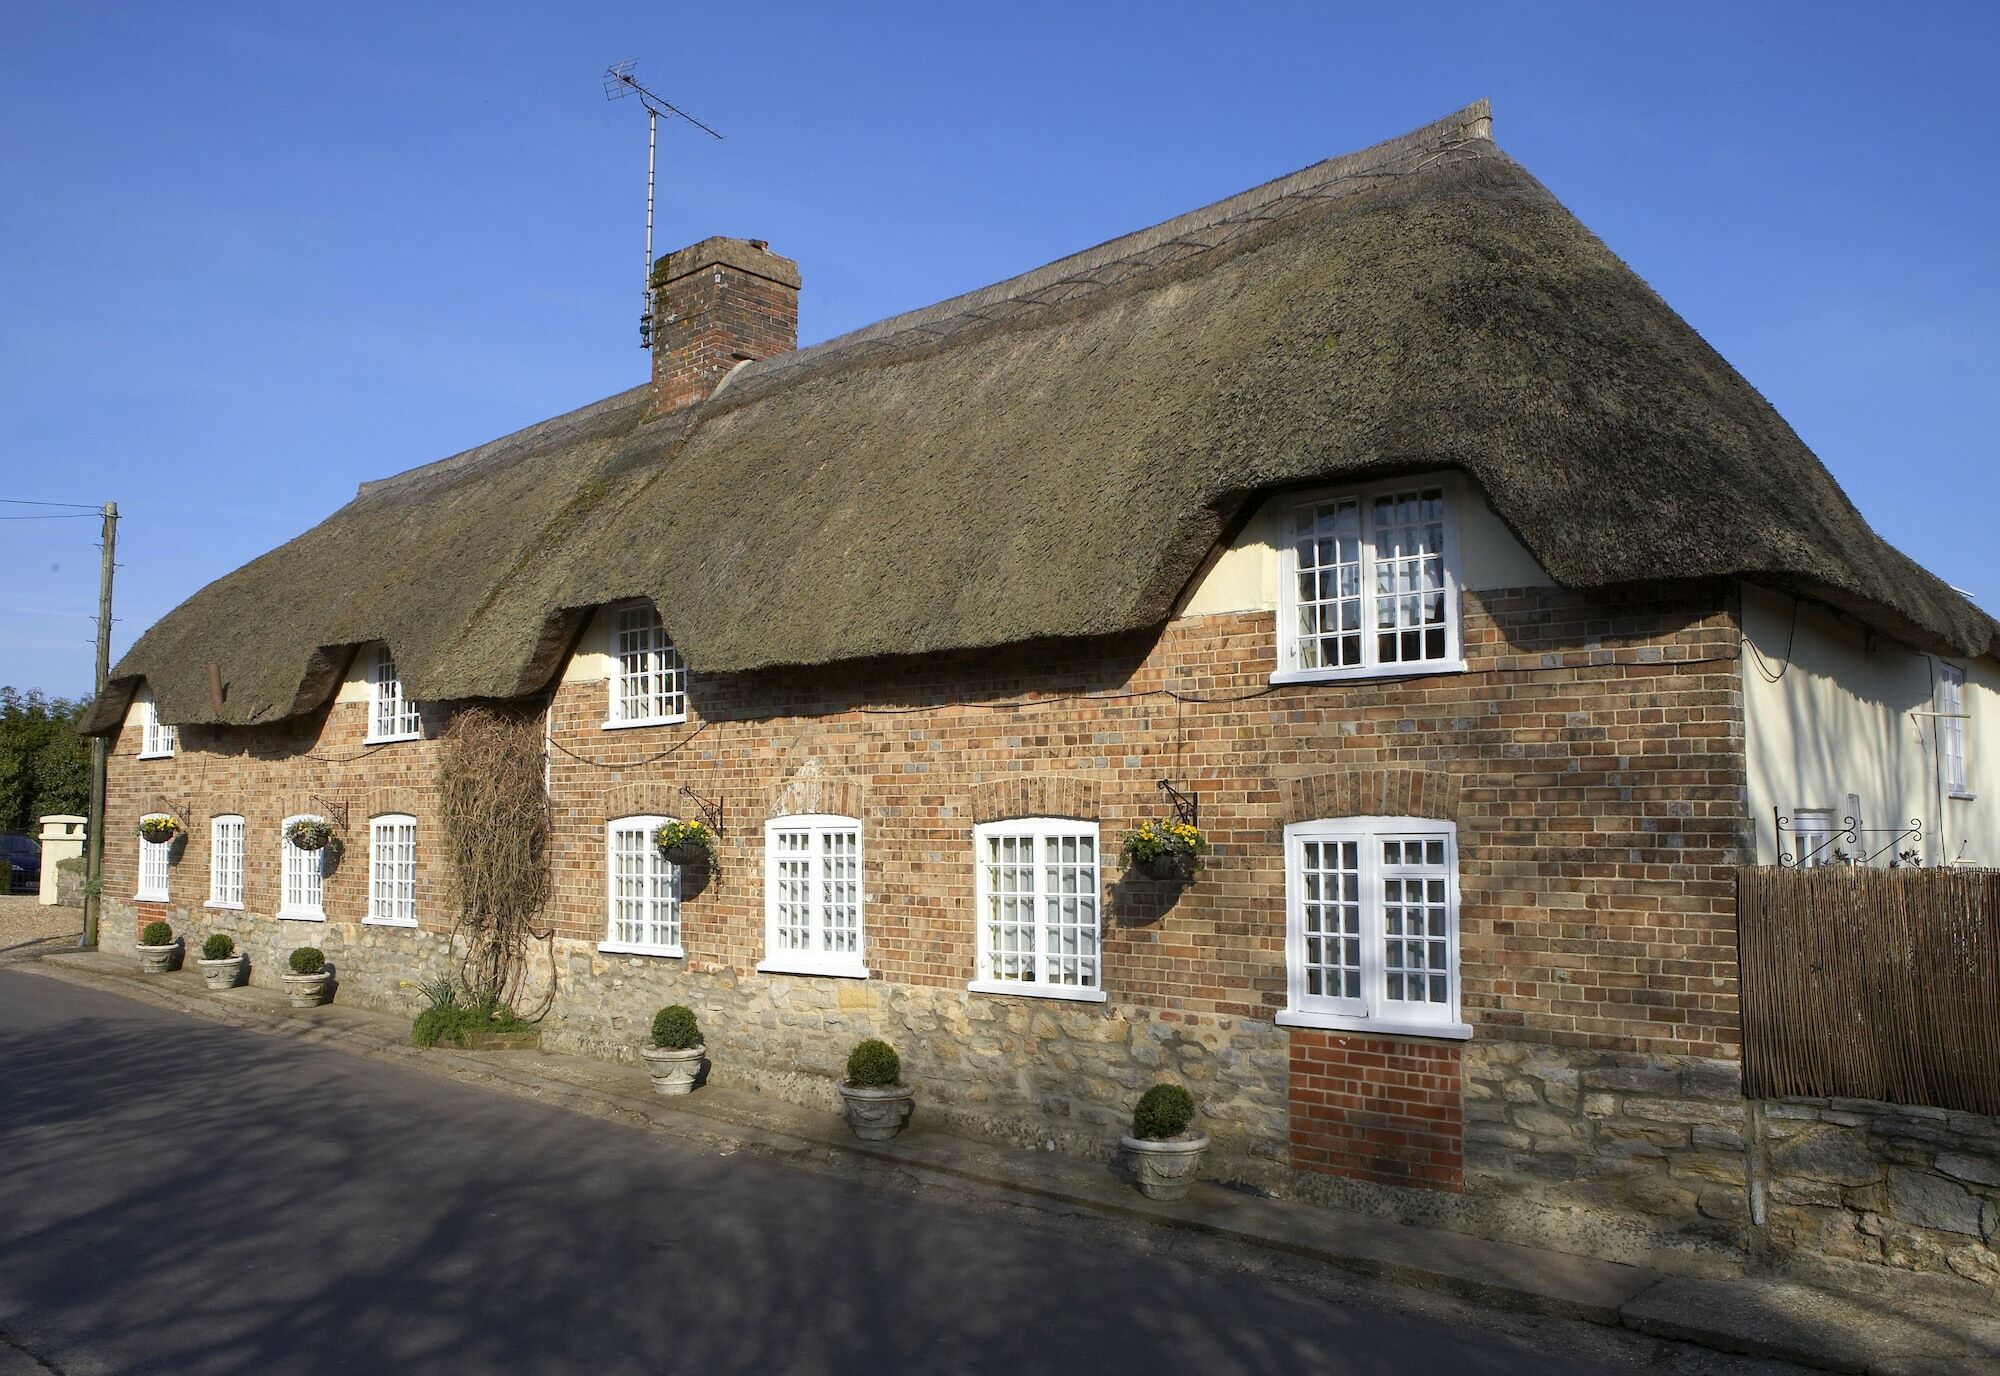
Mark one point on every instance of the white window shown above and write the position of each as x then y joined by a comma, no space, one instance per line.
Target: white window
391,715
153,858
643,890
1951,729
303,877
648,682
812,896
157,740
225,862
1368,584
392,871
1371,926
1037,901
1813,837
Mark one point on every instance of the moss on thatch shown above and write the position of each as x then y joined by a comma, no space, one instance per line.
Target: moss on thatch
1055,455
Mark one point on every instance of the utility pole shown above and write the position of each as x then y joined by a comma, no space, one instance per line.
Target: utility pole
100,746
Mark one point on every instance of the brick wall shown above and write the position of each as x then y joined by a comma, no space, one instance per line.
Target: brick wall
716,303
1592,757
1383,1109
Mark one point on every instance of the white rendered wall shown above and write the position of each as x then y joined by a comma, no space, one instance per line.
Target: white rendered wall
1844,726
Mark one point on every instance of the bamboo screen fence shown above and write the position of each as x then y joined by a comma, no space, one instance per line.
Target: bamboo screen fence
1871,984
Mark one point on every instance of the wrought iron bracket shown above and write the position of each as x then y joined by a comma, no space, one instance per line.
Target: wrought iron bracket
1187,807
335,813
181,811
711,809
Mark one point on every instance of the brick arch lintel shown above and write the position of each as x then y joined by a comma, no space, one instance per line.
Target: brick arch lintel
645,798
1035,795
387,798
810,792
1390,791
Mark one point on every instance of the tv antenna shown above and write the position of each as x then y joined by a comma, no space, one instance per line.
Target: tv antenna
619,83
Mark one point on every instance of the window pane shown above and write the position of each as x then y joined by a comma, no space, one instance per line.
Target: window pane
1415,921
1408,534
1330,913
792,878
1327,546
840,892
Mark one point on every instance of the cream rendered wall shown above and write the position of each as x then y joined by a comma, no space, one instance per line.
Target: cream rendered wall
1842,725
1244,576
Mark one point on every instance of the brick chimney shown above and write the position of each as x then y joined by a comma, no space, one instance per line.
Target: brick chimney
715,304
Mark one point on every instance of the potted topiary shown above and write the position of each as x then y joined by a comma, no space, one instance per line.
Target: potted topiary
308,980
686,842
674,1058
159,950
1166,851
221,963
1164,1153
878,1103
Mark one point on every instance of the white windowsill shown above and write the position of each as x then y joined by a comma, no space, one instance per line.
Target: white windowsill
1036,991
388,922
1420,670
391,740
645,721
300,915
1387,1027
803,967
633,948
1963,796
143,897
223,907
156,754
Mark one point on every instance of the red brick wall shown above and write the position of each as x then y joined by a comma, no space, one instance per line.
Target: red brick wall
1592,755
704,323
1383,1109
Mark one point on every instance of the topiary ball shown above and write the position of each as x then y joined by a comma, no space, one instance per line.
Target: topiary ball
220,946
874,1064
674,1028
307,960
156,934
1164,1111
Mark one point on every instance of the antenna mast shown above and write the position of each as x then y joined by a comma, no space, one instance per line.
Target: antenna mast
619,83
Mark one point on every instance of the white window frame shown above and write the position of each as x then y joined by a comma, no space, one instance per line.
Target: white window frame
1951,732
157,740
818,958
642,652
656,867
1042,831
1290,669
225,861
1822,825
1372,1010
392,716
301,876
392,878
154,861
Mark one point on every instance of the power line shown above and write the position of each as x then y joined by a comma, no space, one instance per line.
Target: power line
53,516
25,501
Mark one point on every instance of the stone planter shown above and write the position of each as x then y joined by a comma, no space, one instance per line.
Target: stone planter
158,960
226,973
308,991
1165,1169
877,1112
673,1069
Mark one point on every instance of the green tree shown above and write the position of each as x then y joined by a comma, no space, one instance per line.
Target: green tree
44,764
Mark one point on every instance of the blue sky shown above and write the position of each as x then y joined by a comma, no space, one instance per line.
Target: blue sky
255,254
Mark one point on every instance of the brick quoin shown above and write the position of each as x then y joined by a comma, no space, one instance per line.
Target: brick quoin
1381,1109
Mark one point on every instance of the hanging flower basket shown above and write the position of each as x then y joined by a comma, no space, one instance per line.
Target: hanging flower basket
1167,851
310,833
160,830
686,842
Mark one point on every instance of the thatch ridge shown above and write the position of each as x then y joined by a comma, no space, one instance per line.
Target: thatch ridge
1054,456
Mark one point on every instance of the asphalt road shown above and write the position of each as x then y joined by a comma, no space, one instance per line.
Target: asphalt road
179,1196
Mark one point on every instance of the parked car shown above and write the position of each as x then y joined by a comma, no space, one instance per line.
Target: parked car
23,856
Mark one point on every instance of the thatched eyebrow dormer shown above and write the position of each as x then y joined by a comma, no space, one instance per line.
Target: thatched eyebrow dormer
1054,455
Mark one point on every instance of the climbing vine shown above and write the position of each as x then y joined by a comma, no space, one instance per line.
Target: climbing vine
494,813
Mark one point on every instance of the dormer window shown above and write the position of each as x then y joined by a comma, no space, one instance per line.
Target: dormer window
1368,584
157,740
391,714
648,679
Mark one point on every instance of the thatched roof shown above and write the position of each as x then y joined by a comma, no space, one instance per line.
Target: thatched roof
1054,456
